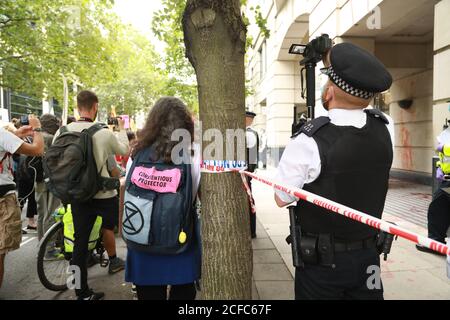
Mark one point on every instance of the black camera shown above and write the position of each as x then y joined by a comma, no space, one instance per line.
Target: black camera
113,121
314,51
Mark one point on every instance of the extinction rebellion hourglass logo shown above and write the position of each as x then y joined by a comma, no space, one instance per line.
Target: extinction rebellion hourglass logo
134,219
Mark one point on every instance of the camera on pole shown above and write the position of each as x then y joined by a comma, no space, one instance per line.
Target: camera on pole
313,53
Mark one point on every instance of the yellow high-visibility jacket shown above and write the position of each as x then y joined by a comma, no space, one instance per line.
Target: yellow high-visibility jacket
69,232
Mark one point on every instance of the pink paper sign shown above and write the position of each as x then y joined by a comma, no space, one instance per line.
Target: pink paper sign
166,181
126,118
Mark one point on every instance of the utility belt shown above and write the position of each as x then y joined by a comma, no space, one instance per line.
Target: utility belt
320,249
5,189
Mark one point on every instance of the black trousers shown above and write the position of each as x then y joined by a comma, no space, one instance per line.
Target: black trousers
179,292
25,190
439,214
252,215
84,216
355,277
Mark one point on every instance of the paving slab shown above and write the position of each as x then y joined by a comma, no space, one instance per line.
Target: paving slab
275,290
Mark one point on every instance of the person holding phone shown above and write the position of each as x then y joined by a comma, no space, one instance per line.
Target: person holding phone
10,213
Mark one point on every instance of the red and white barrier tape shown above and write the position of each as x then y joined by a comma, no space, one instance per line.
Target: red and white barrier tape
249,192
230,166
355,215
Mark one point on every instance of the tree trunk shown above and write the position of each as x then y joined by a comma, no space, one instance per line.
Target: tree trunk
215,35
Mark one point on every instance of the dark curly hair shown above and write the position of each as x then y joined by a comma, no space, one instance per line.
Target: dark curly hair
50,123
166,116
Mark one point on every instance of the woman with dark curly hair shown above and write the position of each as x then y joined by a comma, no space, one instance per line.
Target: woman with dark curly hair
152,274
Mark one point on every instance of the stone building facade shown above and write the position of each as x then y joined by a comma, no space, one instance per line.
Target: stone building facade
411,37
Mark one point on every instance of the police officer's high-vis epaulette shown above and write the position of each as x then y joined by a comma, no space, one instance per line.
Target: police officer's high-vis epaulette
377,114
313,126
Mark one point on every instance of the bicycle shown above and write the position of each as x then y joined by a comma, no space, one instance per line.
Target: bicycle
53,261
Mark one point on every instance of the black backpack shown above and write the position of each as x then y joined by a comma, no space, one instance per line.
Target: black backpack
70,168
158,222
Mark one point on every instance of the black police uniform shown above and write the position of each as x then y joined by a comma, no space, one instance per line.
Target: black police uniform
355,163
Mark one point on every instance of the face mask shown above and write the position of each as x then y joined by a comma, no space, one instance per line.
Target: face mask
324,102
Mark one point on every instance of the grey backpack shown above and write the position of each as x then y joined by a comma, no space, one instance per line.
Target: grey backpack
159,213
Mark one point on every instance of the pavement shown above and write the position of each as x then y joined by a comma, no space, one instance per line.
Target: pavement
21,280
407,274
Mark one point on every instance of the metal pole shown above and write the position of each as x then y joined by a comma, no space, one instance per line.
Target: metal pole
66,101
311,89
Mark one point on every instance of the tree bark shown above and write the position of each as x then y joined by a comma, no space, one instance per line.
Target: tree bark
214,35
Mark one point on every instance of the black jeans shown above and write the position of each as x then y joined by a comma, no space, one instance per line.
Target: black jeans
353,278
84,216
179,292
439,214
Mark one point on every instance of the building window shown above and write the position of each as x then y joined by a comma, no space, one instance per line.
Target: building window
263,59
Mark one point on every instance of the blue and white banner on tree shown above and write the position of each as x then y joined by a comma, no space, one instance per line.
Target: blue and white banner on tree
219,166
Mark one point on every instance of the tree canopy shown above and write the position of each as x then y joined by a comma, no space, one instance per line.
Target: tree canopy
85,41
42,40
167,26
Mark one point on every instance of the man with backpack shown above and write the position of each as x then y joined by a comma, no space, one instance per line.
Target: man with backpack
76,167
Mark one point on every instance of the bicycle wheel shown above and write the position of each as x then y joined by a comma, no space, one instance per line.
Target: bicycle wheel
52,264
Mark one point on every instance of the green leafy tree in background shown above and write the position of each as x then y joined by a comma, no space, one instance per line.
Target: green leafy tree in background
138,80
167,26
84,40
42,40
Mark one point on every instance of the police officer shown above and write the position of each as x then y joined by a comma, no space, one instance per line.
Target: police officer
345,157
439,209
252,161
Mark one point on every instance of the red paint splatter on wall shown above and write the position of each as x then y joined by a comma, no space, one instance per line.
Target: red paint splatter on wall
406,154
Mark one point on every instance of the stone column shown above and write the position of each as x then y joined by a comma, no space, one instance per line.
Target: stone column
441,88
